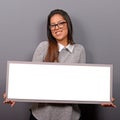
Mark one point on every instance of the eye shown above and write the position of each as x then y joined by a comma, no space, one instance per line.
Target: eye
53,25
62,23
59,24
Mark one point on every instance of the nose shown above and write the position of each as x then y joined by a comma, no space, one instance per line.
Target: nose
56,26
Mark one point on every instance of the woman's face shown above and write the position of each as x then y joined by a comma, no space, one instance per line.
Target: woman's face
59,29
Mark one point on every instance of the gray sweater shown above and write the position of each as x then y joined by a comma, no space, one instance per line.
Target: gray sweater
42,111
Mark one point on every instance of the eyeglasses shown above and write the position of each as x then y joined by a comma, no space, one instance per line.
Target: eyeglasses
60,25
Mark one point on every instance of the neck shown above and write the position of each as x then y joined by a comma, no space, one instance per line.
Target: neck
63,42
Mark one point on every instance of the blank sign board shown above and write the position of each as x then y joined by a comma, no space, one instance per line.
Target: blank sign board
59,83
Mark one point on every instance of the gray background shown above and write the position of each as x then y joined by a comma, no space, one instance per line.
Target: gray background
96,25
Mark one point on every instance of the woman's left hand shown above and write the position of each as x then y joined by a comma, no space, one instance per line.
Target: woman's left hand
109,104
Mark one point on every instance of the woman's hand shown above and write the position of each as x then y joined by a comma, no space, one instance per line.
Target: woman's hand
109,104
6,101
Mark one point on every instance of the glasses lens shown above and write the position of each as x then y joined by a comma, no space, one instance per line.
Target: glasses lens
60,25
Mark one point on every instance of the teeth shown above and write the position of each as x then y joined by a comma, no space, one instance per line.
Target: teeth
57,33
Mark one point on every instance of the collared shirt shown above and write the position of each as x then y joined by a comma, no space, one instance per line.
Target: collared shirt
69,47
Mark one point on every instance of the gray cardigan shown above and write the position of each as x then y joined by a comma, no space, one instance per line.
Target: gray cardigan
42,111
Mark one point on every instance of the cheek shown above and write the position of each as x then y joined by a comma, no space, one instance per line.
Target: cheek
53,33
66,32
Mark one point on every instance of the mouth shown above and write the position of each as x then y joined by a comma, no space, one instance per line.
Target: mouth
58,32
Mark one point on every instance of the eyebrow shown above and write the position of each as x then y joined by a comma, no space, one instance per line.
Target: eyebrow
58,22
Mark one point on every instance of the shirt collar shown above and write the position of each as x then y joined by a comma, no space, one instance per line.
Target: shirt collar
69,47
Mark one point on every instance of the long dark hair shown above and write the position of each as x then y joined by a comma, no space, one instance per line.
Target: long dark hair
52,53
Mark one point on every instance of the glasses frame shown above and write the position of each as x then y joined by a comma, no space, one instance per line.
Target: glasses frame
59,25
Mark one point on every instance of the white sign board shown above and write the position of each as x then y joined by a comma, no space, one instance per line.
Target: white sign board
59,83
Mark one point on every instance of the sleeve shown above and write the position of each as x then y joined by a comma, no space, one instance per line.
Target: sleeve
83,55
40,52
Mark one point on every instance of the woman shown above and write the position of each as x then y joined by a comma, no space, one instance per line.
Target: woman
61,48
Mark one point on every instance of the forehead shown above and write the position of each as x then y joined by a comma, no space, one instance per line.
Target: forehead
56,18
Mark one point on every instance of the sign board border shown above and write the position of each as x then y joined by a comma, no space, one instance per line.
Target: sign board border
59,101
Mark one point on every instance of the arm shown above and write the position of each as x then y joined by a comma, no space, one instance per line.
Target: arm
83,55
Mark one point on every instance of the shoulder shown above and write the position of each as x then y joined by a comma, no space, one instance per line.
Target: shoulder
40,51
79,50
42,47
79,46
43,44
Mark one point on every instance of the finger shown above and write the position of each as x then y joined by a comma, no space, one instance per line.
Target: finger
12,104
113,105
109,105
6,101
113,99
4,95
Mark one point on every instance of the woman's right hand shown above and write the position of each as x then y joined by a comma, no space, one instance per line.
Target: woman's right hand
6,101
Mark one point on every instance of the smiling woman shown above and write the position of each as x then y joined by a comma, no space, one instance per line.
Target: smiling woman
61,48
